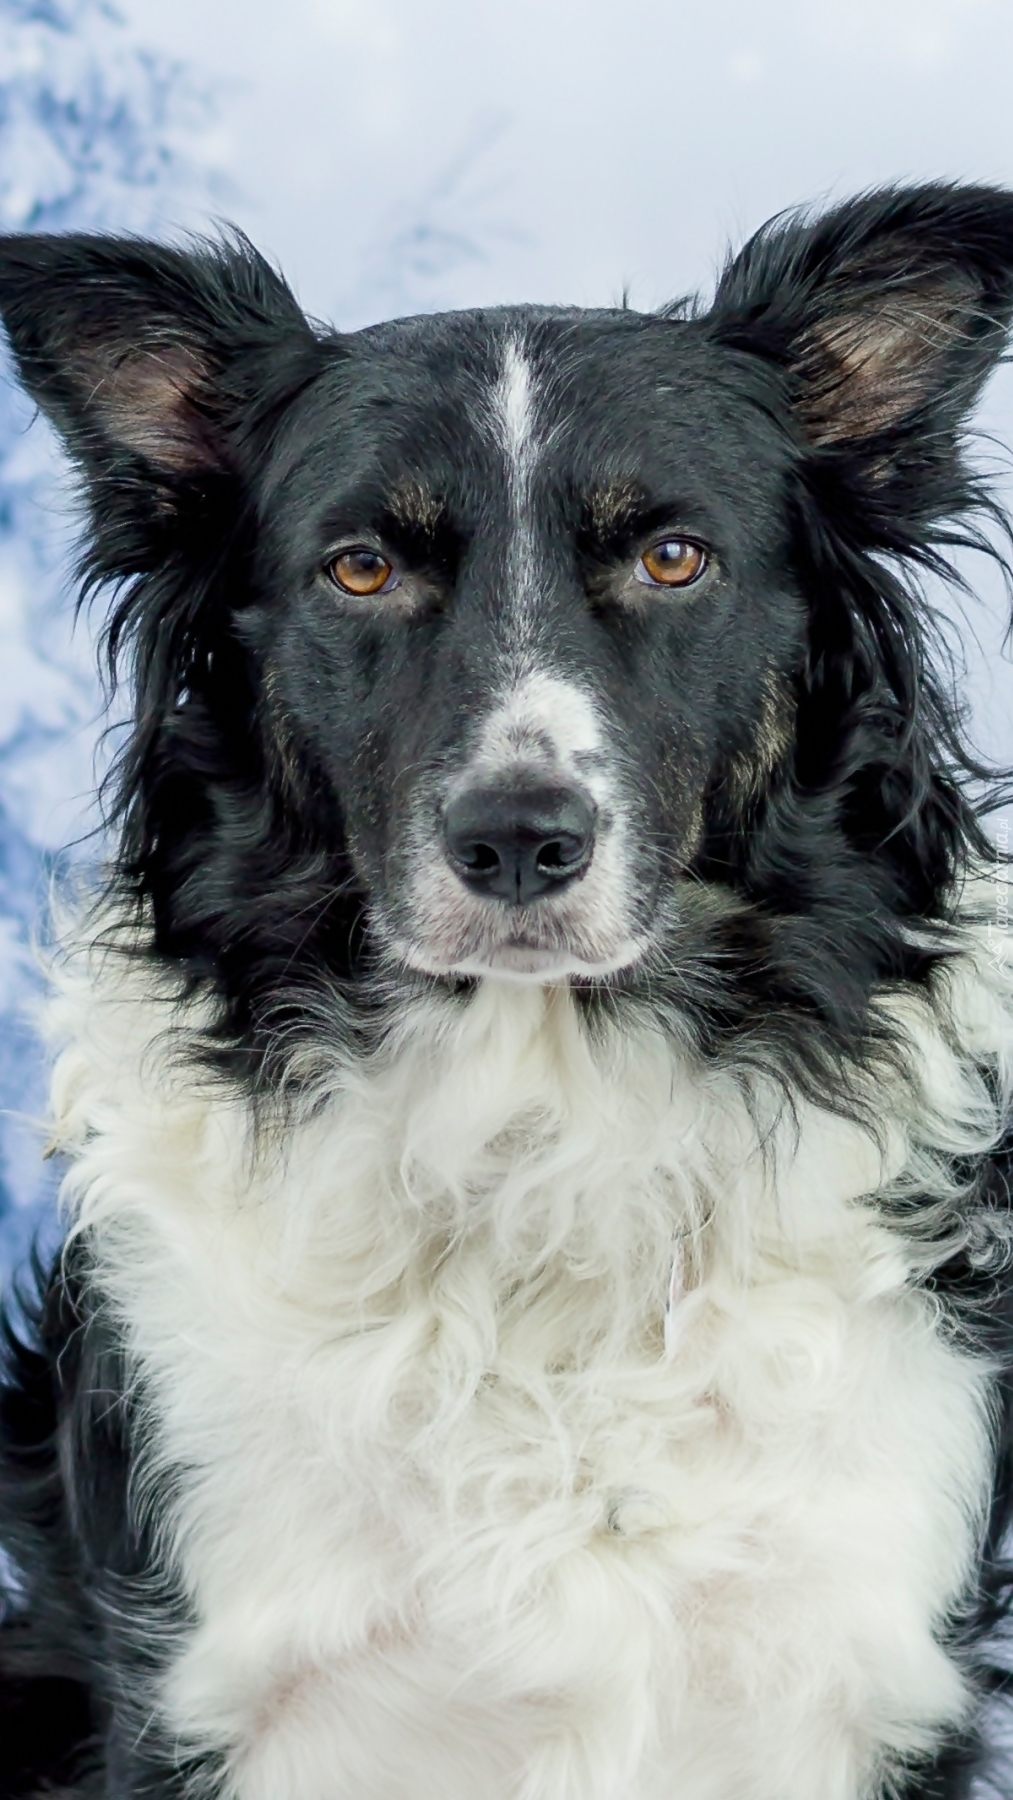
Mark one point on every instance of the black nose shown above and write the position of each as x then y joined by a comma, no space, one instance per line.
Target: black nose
516,842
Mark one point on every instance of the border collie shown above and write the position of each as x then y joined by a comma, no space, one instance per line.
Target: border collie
535,1086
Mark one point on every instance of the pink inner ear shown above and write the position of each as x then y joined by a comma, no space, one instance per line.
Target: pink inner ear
872,365
150,402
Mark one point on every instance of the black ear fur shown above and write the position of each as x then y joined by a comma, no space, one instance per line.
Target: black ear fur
148,356
883,318
167,372
888,314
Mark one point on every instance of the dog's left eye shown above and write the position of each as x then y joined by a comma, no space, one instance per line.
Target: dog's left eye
675,562
361,572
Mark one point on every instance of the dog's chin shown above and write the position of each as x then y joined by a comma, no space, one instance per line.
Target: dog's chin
516,960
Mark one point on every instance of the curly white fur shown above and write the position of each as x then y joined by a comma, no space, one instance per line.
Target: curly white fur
456,1514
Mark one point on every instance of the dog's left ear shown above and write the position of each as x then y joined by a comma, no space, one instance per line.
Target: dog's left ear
887,314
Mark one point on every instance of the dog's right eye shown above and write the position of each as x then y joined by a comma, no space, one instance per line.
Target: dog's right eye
361,572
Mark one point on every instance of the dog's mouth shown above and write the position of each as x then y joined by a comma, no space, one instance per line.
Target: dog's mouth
525,954
527,963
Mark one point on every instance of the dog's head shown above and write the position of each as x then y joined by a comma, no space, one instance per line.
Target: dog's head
534,644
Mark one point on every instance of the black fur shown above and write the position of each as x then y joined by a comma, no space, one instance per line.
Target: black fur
794,755
91,1609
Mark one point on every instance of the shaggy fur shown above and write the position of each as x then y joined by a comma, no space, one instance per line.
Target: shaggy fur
535,1319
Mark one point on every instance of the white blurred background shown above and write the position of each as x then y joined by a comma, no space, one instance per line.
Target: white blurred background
558,149
402,155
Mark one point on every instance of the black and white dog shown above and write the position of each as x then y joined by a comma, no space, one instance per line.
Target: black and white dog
535,1320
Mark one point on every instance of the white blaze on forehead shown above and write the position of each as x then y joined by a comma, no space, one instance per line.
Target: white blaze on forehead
512,423
513,398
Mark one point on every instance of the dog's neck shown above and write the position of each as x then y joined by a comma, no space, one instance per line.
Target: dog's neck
498,1124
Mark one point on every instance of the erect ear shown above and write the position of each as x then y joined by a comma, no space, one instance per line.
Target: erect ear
149,353
888,314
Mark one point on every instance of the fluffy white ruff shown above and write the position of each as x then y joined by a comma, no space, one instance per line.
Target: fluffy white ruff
453,1517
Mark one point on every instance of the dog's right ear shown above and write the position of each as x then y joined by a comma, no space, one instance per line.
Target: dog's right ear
151,360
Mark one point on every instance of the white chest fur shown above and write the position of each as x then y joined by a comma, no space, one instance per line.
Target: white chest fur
457,1516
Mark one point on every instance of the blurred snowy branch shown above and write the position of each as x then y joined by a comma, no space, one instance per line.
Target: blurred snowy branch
422,240
93,132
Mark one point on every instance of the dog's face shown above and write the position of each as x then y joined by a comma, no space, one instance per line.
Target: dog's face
523,599
547,645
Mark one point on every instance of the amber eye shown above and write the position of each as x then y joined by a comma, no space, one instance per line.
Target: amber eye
361,572
675,562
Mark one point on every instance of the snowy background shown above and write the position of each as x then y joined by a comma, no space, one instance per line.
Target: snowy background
399,155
